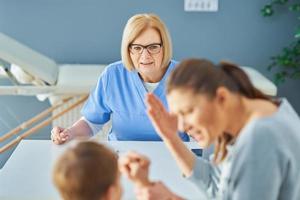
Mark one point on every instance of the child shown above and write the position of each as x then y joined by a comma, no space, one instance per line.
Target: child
88,171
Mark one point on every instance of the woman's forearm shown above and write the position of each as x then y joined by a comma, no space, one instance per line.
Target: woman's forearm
183,156
80,129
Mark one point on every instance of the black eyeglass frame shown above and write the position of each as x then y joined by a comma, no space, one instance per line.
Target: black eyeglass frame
145,47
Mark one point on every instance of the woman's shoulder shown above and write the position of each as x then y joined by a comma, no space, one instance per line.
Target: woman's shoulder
283,120
261,131
115,72
115,66
272,131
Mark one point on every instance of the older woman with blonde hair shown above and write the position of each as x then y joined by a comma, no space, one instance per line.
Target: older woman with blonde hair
146,52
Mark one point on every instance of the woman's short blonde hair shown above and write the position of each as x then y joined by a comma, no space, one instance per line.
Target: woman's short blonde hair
135,26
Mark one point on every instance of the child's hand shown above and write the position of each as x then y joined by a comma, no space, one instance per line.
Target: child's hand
136,167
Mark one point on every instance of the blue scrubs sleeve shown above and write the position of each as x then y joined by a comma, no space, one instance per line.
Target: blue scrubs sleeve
96,109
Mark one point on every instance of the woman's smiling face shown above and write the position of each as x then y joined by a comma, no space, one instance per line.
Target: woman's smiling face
147,64
198,115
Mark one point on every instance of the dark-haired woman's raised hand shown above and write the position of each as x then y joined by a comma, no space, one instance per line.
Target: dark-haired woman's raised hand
164,122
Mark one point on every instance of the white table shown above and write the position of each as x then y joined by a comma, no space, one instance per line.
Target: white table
27,174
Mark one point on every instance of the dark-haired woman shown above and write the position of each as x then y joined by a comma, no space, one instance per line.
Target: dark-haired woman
257,139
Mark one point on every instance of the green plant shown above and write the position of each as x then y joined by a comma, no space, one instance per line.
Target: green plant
287,62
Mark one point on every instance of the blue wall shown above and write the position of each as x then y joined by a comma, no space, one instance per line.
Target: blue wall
89,31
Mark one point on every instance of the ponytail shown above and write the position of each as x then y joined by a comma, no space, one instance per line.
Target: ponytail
241,81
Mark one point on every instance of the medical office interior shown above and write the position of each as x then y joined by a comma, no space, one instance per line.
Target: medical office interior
77,33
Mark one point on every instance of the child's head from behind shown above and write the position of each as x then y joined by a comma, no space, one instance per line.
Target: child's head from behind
88,171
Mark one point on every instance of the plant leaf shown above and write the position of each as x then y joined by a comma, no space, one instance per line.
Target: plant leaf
267,10
296,75
295,7
297,35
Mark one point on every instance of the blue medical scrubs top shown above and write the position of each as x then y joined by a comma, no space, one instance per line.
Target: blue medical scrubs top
120,95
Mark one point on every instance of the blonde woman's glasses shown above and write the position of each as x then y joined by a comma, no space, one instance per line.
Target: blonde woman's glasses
151,48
